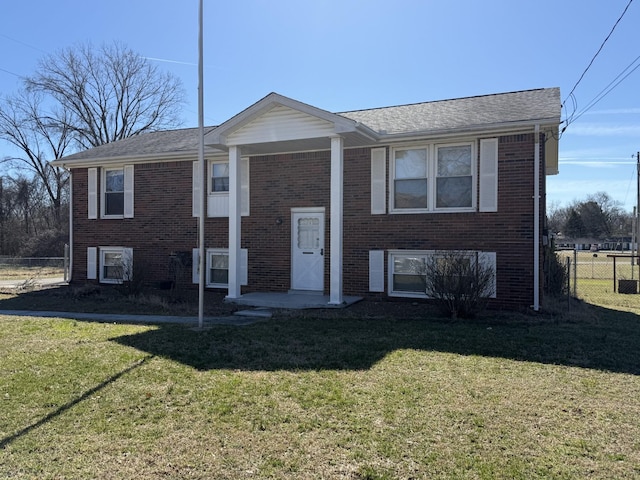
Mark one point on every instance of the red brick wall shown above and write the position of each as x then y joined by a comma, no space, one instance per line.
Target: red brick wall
163,222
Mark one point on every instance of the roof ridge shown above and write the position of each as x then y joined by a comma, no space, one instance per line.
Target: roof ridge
445,100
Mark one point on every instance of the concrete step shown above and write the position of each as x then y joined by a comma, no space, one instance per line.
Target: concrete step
257,312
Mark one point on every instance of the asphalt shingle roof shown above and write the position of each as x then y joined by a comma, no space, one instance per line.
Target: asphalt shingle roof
460,113
541,105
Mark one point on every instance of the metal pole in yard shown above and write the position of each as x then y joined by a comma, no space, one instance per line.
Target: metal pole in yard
635,216
203,175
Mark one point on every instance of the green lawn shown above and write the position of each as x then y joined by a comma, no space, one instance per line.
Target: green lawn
518,397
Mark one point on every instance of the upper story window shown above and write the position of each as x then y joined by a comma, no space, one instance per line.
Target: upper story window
113,192
433,178
219,177
218,187
112,196
454,179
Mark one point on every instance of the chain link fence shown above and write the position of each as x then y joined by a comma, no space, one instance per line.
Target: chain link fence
20,269
603,277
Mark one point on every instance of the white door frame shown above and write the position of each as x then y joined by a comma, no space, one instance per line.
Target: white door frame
315,255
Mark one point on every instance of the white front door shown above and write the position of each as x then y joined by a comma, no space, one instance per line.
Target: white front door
307,252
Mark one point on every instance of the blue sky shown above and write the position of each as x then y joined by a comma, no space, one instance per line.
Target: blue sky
343,55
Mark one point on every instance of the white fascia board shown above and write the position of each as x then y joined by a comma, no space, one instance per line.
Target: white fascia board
495,129
147,158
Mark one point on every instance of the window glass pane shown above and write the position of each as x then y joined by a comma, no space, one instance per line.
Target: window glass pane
308,233
411,163
219,276
220,169
113,258
113,272
407,264
114,180
453,192
220,177
220,261
221,184
410,194
114,204
454,161
408,283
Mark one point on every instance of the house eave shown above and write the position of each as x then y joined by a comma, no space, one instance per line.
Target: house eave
488,129
134,159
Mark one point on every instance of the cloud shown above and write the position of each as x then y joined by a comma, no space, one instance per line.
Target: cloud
615,111
603,130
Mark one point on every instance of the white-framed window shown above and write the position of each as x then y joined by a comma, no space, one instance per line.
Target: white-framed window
406,268
217,267
116,192
217,185
113,188
433,178
116,264
219,177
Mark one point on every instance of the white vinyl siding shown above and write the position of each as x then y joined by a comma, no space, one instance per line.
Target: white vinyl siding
218,200
280,124
489,175
378,181
215,263
376,270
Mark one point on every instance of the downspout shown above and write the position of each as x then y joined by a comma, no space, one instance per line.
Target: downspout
69,275
536,221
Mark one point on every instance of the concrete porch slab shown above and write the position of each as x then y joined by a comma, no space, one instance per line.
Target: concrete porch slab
293,301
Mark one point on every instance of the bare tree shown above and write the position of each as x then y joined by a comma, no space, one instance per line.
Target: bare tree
107,94
81,97
38,140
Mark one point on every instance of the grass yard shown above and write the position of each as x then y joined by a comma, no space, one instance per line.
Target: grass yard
305,398
16,272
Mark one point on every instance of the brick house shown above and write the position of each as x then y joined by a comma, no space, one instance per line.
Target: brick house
298,198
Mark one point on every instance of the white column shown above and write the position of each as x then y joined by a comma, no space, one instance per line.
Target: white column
234,222
336,232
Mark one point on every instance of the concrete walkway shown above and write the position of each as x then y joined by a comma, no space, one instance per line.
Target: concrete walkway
291,301
137,319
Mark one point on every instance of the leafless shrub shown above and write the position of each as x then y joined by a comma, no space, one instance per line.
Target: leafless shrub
460,283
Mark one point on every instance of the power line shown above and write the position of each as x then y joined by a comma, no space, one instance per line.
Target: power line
606,90
592,60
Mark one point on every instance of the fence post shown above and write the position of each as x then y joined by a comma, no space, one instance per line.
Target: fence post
575,273
568,283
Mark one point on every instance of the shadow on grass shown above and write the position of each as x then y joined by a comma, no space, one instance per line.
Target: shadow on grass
605,340
60,410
